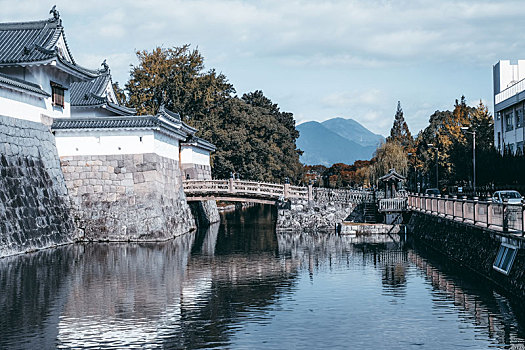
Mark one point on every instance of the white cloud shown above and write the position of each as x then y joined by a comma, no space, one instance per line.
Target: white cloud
297,43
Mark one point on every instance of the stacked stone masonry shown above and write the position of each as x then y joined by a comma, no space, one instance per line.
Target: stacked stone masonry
34,206
127,197
196,171
300,215
205,212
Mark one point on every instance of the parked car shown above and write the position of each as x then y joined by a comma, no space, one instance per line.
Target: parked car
432,191
513,197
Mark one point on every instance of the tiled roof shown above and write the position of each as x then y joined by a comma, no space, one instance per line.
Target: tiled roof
91,94
104,123
22,84
36,41
84,93
29,41
197,141
120,122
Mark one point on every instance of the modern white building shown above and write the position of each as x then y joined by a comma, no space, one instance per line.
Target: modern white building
509,97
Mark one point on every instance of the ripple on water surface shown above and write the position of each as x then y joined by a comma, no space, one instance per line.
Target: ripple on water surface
241,285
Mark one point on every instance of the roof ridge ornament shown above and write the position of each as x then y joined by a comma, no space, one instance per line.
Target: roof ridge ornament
55,13
105,67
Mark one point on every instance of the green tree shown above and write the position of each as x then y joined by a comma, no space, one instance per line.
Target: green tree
400,132
253,137
389,155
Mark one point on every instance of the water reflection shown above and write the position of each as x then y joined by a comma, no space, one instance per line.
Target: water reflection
479,304
241,285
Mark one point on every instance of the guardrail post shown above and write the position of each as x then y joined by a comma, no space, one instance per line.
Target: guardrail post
522,220
505,221
286,189
489,214
454,198
463,205
475,209
310,192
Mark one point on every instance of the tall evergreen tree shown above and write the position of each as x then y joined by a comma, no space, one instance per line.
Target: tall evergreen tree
400,132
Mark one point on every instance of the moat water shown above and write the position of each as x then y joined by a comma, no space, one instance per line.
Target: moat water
240,285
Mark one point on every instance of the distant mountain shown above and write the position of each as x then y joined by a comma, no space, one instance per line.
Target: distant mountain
326,147
353,131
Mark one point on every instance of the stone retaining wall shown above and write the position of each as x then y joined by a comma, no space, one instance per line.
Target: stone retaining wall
127,197
205,212
34,206
299,215
471,246
196,171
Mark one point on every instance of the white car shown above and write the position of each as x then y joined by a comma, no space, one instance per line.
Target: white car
513,197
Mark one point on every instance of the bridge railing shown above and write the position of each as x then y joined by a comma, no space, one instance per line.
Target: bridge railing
497,216
393,204
342,195
241,188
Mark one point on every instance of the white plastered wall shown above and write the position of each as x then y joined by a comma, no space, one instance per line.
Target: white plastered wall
110,142
21,105
194,155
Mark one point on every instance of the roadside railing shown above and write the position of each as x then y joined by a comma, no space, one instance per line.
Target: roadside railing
498,216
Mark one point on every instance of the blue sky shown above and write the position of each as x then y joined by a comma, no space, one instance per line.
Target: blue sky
317,59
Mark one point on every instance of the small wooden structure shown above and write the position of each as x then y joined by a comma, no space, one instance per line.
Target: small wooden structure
393,183
395,201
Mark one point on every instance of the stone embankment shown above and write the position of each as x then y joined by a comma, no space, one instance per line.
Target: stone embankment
300,215
127,197
471,246
34,206
326,209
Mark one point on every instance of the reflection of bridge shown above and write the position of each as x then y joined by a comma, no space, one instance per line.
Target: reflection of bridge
266,193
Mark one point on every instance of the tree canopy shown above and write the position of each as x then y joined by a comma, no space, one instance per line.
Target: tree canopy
254,138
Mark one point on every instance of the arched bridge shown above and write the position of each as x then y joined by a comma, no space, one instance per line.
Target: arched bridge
266,193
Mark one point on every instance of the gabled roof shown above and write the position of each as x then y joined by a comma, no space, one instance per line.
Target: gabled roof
19,84
83,93
200,143
392,175
30,41
175,118
93,93
24,43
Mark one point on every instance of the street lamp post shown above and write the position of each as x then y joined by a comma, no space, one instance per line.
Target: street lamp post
431,145
473,132
414,184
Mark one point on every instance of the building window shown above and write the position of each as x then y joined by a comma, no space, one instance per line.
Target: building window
505,258
509,122
57,93
519,117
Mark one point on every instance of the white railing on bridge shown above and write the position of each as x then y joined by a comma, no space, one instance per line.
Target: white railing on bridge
497,216
393,204
253,189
